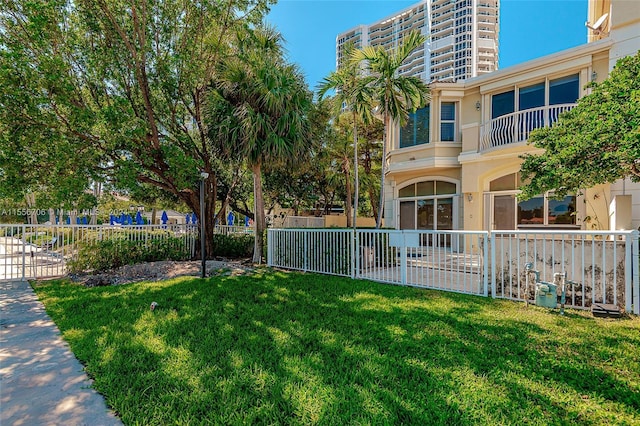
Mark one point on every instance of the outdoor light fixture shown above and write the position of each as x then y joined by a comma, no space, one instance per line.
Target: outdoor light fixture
594,76
478,105
203,254
469,197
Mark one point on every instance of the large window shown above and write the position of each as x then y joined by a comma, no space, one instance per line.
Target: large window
427,205
543,211
502,104
416,131
531,96
509,213
564,90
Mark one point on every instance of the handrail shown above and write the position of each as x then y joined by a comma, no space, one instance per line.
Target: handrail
516,126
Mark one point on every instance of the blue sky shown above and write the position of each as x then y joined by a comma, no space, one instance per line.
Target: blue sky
528,28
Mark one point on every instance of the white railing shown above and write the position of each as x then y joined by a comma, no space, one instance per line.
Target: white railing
600,267
443,260
43,251
516,127
323,251
233,229
446,260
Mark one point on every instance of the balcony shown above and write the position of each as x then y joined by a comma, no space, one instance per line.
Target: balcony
516,127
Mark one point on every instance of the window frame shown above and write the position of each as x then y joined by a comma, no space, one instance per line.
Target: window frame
547,81
414,138
453,122
547,196
434,199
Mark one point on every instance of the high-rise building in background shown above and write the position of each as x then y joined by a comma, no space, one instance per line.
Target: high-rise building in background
462,38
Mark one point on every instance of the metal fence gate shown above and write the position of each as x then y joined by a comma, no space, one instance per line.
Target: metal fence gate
43,251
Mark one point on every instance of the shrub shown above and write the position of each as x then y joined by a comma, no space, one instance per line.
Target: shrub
233,245
115,252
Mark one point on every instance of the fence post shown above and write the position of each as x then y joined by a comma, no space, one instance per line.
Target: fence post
353,254
635,266
23,238
356,255
628,272
403,260
269,247
305,253
485,266
491,242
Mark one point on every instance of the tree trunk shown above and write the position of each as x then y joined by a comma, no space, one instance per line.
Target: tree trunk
259,208
32,217
221,216
366,165
355,172
373,197
347,201
193,201
383,171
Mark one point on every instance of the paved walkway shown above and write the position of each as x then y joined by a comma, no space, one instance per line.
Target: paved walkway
41,382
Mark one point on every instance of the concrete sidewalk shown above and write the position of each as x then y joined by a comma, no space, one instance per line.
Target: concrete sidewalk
41,382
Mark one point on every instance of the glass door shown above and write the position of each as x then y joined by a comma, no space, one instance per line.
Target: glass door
504,212
407,215
425,214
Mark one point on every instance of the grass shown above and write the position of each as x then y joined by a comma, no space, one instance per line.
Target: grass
292,348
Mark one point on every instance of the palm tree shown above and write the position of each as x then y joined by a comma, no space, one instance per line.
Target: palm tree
394,95
259,111
352,94
337,147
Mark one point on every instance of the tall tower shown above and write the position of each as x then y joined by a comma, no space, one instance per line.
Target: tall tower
462,38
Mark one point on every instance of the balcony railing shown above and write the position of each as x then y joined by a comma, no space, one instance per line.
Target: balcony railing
516,127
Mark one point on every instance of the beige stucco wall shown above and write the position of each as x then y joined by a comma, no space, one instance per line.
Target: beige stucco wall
434,152
340,221
476,177
468,112
596,203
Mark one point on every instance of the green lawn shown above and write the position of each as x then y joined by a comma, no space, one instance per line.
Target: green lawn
292,348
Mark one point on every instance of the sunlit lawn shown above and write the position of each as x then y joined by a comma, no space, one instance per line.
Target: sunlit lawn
291,348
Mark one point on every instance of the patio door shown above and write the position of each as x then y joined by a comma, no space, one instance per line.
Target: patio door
504,212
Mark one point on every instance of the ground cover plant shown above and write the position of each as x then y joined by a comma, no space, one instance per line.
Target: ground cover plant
293,348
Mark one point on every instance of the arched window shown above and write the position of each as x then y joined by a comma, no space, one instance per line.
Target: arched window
427,205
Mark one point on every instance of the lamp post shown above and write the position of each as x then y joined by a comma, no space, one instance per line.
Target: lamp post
203,254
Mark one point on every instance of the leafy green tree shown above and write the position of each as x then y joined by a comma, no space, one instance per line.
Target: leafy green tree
294,188
370,153
394,95
259,112
596,142
95,88
354,95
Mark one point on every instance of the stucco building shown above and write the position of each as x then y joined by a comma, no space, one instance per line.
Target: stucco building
455,165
